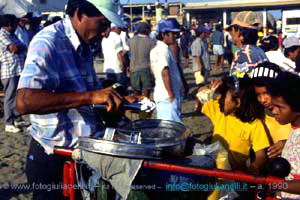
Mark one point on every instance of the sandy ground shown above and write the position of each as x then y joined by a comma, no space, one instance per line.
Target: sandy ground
14,146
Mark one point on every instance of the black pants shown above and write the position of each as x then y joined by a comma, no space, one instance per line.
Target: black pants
44,173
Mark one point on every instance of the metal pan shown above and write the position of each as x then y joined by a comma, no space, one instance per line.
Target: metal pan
152,131
130,150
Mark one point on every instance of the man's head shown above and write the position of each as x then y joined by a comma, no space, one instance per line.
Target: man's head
270,43
202,32
115,28
23,21
9,23
91,18
263,75
143,28
167,31
244,27
286,98
291,48
236,97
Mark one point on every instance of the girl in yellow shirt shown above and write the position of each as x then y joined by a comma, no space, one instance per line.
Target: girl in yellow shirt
237,118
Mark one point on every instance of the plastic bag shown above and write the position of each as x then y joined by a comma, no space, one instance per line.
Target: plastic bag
220,155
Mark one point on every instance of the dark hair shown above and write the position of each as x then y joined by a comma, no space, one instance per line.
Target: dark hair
266,80
83,6
287,86
8,20
250,36
161,34
250,109
290,49
218,28
270,43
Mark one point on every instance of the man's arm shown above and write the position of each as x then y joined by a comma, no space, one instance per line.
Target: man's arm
35,101
165,73
121,59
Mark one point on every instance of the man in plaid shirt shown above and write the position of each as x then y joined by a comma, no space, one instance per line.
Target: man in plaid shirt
12,57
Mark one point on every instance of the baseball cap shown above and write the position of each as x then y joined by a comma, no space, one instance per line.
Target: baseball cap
165,25
201,29
291,41
109,8
247,19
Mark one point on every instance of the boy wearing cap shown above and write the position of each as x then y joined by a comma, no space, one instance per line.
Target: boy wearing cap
291,52
244,28
168,88
57,86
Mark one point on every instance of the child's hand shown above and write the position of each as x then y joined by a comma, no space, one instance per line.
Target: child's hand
215,84
276,149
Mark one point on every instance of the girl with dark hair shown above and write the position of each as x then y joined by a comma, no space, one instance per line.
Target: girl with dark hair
262,77
237,118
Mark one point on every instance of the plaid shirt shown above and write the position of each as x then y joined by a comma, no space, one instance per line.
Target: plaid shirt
58,62
11,64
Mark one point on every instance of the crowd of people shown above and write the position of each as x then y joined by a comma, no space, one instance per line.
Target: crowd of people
48,72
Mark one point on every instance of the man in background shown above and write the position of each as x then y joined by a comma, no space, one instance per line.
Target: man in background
168,90
141,77
114,65
217,41
12,58
21,31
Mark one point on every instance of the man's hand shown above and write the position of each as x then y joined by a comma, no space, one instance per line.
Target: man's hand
13,48
171,97
276,149
107,96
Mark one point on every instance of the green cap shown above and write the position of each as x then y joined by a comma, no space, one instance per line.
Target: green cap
109,8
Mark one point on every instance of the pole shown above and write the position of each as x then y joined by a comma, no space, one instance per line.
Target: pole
131,17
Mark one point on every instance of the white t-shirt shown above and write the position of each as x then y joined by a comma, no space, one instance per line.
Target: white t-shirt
279,59
161,56
111,46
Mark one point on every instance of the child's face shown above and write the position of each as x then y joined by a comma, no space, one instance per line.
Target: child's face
229,105
263,97
282,111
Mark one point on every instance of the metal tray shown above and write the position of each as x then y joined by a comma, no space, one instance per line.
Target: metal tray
152,131
131,150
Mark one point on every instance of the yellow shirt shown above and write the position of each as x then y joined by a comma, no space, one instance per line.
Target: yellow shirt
236,136
278,132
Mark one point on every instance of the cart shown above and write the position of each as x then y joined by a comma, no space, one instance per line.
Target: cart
70,177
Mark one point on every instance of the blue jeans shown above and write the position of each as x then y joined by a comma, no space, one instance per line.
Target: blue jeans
169,111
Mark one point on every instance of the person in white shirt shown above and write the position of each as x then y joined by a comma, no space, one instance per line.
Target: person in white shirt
112,49
169,88
271,47
291,52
